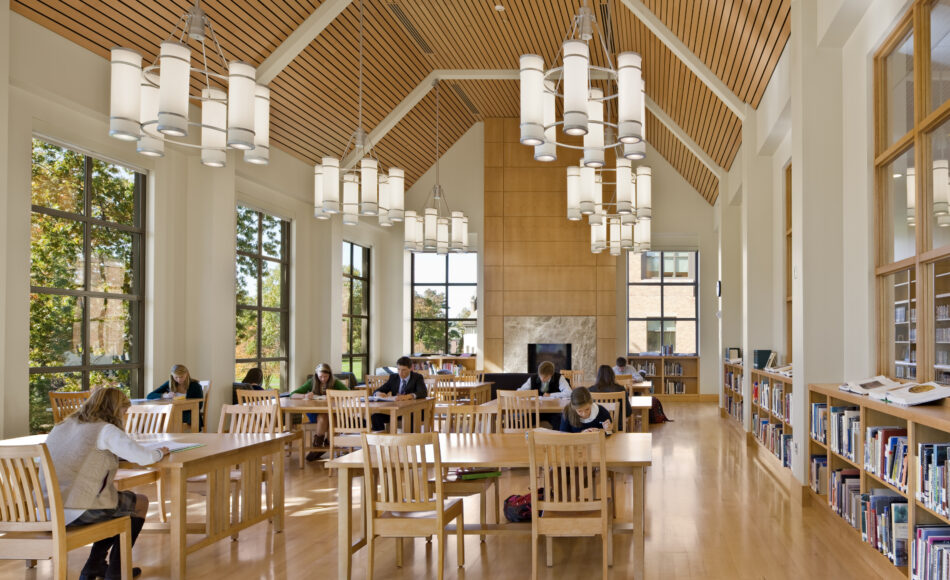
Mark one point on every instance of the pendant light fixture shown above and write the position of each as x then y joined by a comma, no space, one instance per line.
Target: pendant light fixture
366,189
151,105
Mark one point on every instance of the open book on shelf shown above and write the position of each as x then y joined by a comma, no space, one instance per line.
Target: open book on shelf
868,386
912,393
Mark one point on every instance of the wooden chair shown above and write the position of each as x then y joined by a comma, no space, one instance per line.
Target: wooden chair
573,377
400,501
570,468
374,382
518,411
145,420
472,376
613,402
442,390
65,404
349,418
31,523
205,392
471,419
270,399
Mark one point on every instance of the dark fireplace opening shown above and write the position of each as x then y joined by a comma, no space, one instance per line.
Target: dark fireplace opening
558,354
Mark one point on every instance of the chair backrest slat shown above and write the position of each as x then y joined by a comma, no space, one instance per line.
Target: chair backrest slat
268,398
64,404
148,419
470,375
23,505
443,389
348,412
400,472
518,411
374,382
613,402
468,419
571,468
246,419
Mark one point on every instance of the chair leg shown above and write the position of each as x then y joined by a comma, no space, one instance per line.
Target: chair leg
482,508
371,550
605,539
613,492
460,540
162,516
399,547
441,553
235,505
125,549
534,552
549,550
30,563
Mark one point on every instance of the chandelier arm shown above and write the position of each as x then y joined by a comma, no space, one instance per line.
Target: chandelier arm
437,156
204,58
217,45
603,44
360,117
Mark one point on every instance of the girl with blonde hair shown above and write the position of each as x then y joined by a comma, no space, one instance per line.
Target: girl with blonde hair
180,383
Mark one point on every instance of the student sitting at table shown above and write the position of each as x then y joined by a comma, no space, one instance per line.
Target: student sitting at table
623,368
180,383
606,383
583,415
318,388
252,382
401,386
85,449
548,382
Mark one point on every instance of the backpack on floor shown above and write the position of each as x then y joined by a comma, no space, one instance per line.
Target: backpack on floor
656,412
518,507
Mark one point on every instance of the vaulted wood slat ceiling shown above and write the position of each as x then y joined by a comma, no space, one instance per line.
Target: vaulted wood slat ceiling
314,99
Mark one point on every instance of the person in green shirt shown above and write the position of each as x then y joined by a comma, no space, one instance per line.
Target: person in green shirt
318,385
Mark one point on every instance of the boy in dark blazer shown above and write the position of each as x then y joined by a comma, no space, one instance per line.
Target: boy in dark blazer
401,386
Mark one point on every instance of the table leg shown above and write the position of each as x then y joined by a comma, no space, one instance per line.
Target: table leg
638,522
394,416
344,510
176,425
179,527
277,477
645,421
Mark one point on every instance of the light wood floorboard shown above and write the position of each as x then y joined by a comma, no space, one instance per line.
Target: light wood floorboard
713,511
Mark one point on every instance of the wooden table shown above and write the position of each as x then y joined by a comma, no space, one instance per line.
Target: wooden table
179,405
626,453
546,404
644,388
476,392
642,405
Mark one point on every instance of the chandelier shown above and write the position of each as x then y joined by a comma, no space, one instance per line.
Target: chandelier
151,105
627,225
366,190
437,228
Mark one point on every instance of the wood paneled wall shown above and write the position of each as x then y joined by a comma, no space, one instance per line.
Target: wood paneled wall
537,263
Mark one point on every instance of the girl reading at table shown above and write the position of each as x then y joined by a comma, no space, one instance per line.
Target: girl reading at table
85,449
317,386
607,383
180,383
583,415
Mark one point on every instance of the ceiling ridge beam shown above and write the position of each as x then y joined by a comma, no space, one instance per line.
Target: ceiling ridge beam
299,39
682,52
417,94
685,139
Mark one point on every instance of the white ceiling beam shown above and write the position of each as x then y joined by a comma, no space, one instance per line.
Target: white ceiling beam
419,93
299,39
683,53
680,134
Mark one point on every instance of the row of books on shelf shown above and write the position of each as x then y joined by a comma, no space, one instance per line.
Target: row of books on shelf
819,422
844,428
880,514
674,388
673,369
900,314
773,399
733,381
885,454
818,474
773,438
649,367
933,466
733,406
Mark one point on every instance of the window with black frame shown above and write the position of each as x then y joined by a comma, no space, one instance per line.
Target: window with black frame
662,302
86,277
444,303
262,321
356,279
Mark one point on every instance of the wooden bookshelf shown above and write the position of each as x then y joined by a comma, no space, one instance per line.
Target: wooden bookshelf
924,424
673,376
430,363
732,403
772,428
903,294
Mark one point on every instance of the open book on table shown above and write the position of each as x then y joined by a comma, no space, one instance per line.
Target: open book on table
868,386
912,393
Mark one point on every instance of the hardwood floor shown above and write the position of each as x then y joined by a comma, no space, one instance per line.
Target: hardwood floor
713,511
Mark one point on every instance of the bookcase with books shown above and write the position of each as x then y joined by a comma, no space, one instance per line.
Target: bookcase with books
433,363
671,375
941,322
904,337
732,391
772,414
884,469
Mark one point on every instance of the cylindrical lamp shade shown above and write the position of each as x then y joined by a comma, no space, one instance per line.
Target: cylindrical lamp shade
532,89
593,240
151,143
576,82
614,228
644,192
384,201
628,218
125,95
351,196
397,193
594,139
214,116
318,194
410,230
420,233
635,151
629,94
624,186
241,89
642,236
430,228
626,235
574,193
260,154
547,151
911,196
175,73
464,234
331,185
369,194
442,235
587,190
455,241
941,187
598,195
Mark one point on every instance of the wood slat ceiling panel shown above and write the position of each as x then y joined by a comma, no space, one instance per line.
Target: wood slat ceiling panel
740,41
676,154
493,98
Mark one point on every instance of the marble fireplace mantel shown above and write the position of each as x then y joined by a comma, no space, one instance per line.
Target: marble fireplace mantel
579,331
